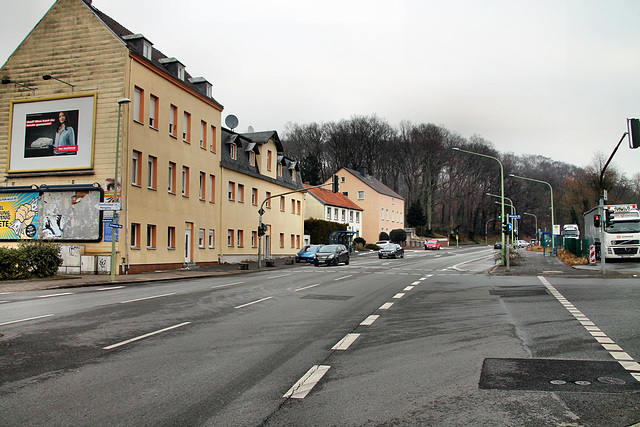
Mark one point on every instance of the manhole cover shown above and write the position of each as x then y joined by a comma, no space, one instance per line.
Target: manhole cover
524,291
590,376
328,297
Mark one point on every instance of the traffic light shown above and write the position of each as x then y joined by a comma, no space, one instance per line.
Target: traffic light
262,229
505,227
608,217
634,132
335,184
596,220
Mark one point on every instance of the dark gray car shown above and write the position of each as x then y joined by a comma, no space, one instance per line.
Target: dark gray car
391,250
331,255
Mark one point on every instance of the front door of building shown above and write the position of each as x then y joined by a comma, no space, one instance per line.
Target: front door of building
187,245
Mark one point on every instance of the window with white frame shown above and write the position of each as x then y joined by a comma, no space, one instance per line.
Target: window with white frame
185,181
357,217
232,190
171,237
172,178
212,239
360,195
203,134
202,186
138,104
173,118
186,129
151,236
229,237
152,177
328,213
201,238
153,111
135,168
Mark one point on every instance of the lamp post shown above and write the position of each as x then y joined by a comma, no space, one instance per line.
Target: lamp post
536,218
553,240
486,231
115,192
501,190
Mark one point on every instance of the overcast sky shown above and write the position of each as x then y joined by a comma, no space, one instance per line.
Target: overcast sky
549,77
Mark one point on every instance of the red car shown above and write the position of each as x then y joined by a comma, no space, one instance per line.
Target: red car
432,244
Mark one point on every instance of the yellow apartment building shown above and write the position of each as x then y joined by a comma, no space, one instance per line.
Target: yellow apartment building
383,208
82,97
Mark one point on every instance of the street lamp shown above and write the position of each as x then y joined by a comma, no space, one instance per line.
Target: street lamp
501,190
115,193
536,218
553,240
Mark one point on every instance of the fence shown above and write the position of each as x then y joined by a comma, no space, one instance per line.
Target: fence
578,247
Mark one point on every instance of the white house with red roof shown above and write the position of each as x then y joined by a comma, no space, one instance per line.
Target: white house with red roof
335,207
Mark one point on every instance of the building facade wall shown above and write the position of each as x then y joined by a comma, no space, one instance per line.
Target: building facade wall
69,43
170,213
373,204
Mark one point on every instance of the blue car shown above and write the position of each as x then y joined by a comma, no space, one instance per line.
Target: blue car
307,253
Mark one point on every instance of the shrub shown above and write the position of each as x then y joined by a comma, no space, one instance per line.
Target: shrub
398,235
360,241
383,236
32,258
372,247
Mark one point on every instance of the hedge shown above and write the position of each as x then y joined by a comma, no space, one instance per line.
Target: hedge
32,258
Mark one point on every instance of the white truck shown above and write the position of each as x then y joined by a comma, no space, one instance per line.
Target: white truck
621,233
571,231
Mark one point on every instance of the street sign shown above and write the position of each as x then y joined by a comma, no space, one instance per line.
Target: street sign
515,216
114,225
510,226
104,206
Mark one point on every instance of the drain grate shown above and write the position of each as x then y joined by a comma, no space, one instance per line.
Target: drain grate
328,297
519,291
557,375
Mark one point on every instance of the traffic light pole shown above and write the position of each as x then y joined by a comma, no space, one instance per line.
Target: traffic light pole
261,211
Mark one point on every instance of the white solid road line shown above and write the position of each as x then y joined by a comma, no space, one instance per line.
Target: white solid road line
144,336
345,342
226,284
307,382
110,288
607,343
146,298
25,320
282,275
253,302
55,295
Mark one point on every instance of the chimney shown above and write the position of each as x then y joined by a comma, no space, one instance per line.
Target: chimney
363,172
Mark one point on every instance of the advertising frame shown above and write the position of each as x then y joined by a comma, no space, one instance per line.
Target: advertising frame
57,213
52,134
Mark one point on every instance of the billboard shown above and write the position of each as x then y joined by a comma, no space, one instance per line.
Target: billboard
19,216
58,213
52,134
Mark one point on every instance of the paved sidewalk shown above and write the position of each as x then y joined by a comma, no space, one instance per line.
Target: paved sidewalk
75,281
537,264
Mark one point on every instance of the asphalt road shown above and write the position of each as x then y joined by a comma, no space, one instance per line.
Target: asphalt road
425,340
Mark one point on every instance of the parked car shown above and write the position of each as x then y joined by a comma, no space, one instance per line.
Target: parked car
331,255
497,245
432,244
391,250
522,244
307,253
381,243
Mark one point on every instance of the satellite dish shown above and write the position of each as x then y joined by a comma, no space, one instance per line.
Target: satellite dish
231,121
250,129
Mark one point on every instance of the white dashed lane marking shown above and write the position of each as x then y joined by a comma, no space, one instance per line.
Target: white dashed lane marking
607,343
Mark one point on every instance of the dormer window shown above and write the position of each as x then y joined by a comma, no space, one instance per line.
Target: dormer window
252,158
233,151
180,72
146,49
